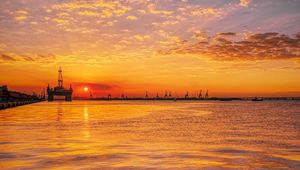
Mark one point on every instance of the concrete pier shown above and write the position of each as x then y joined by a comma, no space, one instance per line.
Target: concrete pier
10,99
11,104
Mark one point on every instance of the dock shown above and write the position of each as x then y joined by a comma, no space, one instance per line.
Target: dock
10,99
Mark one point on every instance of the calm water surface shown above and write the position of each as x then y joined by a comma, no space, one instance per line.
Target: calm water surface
151,134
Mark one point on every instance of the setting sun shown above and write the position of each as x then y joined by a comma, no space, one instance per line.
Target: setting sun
86,89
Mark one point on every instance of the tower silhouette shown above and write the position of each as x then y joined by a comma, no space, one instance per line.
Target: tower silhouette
186,95
206,94
200,94
146,95
60,78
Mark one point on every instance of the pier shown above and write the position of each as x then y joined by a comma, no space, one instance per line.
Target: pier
9,99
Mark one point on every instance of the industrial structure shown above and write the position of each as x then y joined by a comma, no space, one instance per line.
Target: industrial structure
59,90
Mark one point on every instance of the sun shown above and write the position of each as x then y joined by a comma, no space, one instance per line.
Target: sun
86,89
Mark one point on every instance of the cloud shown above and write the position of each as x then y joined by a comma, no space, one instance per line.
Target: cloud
7,57
131,17
95,86
92,8
22,12
227,34
88,13
245,3
21,15
40,58
205,12
259,46
200,36
199,11
142,37
59,21
20,18
71,15
152,8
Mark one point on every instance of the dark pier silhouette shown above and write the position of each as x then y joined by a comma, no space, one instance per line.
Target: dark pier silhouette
9,99
59,90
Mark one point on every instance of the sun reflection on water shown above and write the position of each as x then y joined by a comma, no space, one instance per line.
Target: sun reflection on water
86,129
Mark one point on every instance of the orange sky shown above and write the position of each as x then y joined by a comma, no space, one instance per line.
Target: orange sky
241,48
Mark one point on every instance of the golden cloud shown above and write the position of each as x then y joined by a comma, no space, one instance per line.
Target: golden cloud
260,46
21,18
96,8
227,34
22,12
205,12
245,3
60,21
153,10
21,15
88,13
142,37
12,57
131,17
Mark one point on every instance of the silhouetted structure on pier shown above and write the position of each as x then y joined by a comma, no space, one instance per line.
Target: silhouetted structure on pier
206,94
59,90
200,95
166,94
186,95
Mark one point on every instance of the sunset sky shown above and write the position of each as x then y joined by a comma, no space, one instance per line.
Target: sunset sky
230,47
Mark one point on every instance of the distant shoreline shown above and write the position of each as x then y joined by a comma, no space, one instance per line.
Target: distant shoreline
191,99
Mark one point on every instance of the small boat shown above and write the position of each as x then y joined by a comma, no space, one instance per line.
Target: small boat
257,99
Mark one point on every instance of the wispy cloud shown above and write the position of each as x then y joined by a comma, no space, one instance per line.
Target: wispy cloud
259,46
28,57
6,57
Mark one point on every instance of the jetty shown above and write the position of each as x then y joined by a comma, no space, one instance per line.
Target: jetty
10,99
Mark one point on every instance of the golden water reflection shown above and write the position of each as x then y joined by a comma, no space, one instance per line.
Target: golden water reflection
151,134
